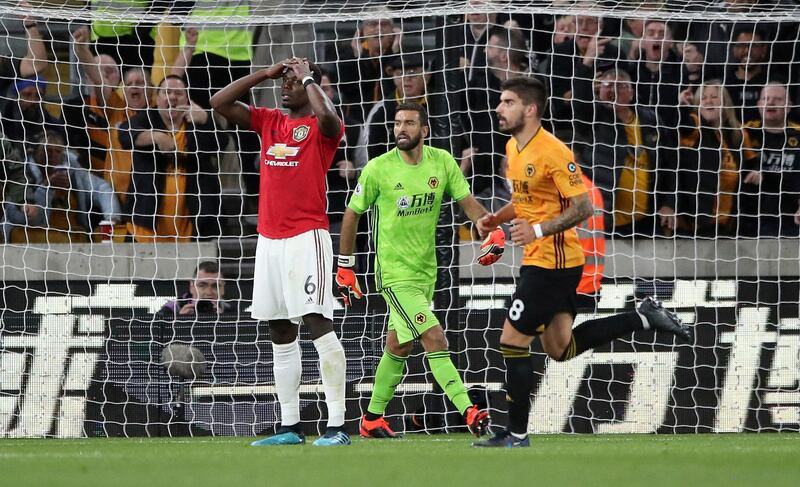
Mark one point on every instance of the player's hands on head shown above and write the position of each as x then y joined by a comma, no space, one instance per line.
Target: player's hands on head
276,70
300,67
521,232
492,247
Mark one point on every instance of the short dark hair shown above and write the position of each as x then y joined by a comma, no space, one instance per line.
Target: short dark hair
414,107
618,74
667,25
49,136
328,73
316,72
530,90
512,40
414,60
756,31
146,72
209,266
173,76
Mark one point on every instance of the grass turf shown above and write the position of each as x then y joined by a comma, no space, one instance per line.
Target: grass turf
444,460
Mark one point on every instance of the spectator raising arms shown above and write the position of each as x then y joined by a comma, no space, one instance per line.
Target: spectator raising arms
173,188
363,67
376,136
90,117
35,60
137,91
657,72
578,59
746,73
25,117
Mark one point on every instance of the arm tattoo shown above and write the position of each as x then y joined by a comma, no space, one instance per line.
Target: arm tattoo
570,217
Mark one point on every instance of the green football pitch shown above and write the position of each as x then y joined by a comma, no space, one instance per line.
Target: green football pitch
415,461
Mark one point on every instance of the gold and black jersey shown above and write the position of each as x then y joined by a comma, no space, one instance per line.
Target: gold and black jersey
544,176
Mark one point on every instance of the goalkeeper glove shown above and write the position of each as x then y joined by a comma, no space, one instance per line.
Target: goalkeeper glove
346,279
492,248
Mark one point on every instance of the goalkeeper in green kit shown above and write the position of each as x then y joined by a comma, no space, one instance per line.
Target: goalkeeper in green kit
405,188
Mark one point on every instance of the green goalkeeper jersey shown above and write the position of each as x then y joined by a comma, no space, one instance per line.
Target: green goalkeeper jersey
406,201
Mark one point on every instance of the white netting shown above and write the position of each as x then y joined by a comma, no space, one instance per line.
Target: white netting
706,219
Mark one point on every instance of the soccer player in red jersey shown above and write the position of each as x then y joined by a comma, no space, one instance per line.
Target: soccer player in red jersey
294,255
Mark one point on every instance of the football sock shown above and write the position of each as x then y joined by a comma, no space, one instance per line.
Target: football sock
598,332
371,416
448,379
387,377
519,384
292,427
332,368
287,368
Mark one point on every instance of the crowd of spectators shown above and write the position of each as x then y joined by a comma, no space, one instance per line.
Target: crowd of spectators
120,148
685,128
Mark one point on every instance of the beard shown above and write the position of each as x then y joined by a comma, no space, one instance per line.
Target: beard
409,143
512,126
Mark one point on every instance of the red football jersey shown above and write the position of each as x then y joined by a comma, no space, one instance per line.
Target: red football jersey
295,157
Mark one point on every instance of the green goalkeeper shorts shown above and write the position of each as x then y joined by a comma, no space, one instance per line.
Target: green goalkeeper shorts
410,312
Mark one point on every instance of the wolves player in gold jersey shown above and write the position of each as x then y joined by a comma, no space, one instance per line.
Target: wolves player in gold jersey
549,199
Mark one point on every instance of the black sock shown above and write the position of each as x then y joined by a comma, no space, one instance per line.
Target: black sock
372,416
519,383
334,429
292,427
598,332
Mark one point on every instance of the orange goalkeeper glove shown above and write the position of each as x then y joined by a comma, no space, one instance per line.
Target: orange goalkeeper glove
492,248
346,279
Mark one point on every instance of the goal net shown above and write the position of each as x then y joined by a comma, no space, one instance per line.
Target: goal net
127,261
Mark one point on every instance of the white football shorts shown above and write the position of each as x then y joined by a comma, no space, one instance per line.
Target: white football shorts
293,277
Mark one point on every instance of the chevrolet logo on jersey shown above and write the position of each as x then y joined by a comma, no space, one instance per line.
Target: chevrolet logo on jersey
281,151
